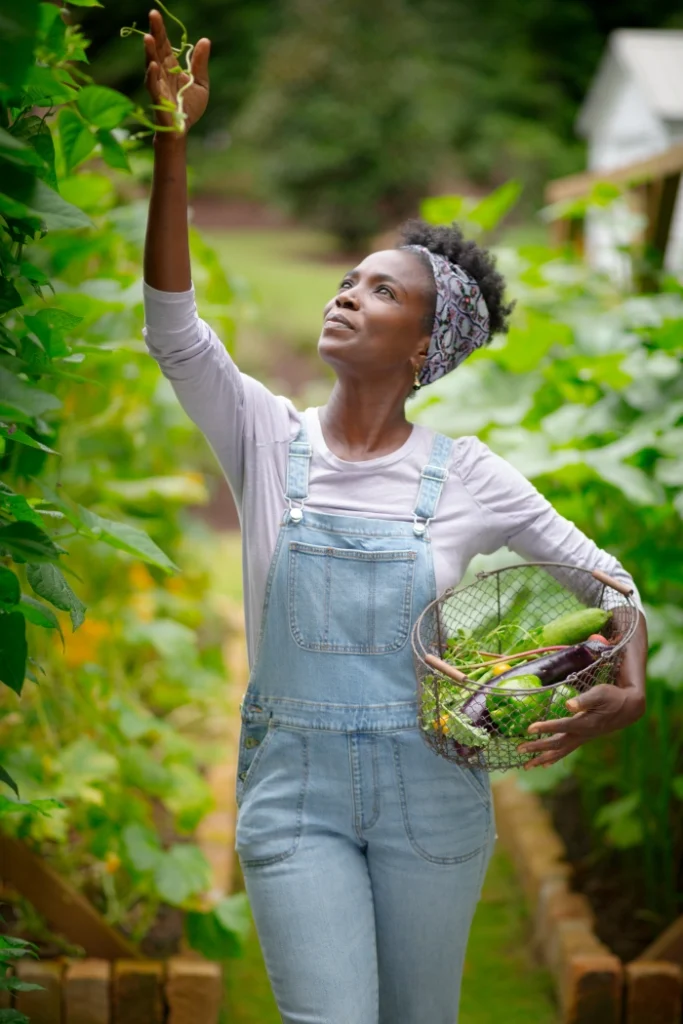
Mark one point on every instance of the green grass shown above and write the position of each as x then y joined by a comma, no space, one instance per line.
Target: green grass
500,983
290,274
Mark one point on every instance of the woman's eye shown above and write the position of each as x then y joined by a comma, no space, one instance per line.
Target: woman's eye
344,284
383,287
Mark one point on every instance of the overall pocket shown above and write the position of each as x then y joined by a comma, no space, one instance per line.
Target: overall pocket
343,601
270,816
446,813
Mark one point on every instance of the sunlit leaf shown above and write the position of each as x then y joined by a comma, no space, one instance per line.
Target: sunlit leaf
181,872
126,538
490,211
13,433
103,107
76,138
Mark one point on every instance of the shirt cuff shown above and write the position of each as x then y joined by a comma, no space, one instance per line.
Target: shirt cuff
168,310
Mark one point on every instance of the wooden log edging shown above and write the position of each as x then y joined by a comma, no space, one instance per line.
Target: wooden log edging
180,990
593,986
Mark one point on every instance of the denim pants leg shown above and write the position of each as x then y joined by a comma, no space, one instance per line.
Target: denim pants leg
363,851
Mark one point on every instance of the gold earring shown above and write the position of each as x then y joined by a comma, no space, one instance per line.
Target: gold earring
416,383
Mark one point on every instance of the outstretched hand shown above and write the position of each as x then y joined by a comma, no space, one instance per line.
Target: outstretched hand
165,83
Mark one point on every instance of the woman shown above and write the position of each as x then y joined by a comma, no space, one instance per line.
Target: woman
363,852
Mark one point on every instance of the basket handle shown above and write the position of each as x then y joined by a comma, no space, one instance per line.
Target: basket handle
609,581
446,669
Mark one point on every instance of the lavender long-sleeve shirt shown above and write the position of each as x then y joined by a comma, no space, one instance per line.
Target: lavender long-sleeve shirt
486,504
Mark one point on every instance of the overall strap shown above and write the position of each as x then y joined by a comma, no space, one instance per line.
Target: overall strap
432,480
298,465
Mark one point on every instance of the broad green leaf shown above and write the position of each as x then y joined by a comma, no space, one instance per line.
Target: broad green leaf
9,296
181,872
19,507
622,821
126,538
10,589
85,3
38,613
35,132
83,763
15,434
13,650
181,489
142,847
50,86
233,914
103,107
8,780
90,192
491,210
26,542
113,152
13,1017
42,807
442,209
223,931
16,151
47,580
31,197
18,397
76,138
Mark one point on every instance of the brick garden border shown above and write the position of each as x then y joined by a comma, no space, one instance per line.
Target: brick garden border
593,985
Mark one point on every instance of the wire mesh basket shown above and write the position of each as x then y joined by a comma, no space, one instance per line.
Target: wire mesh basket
512,648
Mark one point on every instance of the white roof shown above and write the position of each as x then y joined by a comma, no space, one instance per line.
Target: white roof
654,59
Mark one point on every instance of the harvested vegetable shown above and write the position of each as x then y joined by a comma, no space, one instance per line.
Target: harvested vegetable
573,627
513,712
553,668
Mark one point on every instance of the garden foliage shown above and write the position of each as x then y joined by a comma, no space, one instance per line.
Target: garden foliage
111,671
585,397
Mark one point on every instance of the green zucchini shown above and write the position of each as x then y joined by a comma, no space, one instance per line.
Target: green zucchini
573,627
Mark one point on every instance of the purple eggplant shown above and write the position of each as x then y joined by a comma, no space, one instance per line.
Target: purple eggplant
554,667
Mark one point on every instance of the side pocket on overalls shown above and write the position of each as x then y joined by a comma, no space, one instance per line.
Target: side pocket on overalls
252,736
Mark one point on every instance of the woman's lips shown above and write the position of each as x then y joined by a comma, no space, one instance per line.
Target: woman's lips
339,320
337,325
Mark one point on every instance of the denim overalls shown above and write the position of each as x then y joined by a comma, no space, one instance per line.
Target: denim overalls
363,851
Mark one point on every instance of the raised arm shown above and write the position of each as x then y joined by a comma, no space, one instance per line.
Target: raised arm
233,411
167,251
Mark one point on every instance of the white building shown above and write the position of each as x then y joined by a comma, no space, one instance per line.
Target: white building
633,110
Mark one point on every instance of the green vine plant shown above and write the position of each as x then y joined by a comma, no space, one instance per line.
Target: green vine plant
11,950
177,109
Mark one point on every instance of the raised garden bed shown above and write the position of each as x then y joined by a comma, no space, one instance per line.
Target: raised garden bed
593,984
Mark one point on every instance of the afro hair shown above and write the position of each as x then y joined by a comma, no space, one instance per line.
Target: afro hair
477,262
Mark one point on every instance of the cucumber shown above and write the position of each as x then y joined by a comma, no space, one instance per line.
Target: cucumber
573,627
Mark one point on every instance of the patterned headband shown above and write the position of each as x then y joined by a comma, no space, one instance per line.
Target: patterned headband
461,319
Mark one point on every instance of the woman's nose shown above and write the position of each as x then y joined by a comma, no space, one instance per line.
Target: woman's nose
347,299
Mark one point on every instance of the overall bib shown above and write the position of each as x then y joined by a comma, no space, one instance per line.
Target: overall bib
363,851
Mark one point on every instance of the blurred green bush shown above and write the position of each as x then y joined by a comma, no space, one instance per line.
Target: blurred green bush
104,756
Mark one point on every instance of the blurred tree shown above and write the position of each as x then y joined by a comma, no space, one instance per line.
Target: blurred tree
342,114
238,31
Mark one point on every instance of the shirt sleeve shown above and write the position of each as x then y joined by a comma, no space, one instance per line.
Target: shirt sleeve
229,407
522,519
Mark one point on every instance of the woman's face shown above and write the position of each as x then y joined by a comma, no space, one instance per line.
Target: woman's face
379,323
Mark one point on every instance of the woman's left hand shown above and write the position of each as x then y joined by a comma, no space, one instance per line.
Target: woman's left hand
600,710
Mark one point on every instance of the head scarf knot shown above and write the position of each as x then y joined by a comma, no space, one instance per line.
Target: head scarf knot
461,319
